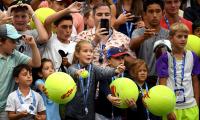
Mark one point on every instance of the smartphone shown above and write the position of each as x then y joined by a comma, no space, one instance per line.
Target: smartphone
105,24
136,19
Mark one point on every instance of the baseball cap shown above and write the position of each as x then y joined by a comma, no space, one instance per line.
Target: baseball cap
9,31
115,52
162,43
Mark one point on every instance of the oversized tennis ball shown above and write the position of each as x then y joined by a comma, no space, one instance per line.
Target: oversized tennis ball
84,74
124,88
61,87
193,44
160,100
42,14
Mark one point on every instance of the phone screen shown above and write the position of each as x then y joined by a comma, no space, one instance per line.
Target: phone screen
105,24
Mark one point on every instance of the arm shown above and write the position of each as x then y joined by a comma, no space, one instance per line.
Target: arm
73,8
35,4
42,33
135,42
35,61
16,116
195,83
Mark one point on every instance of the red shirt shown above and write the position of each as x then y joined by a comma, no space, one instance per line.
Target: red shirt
186,22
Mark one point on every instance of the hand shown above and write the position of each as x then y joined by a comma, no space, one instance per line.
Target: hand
40,117
23,114
120,69
29,40
171,116
30,9
4,18
75,7
100,34
114,100
123,18
148,33
78,72
65,62
140,24
131,103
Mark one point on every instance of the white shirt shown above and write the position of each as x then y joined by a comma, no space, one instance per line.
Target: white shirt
14,104
52,48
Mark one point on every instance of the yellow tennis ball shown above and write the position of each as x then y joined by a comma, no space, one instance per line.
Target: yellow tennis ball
160,100
42,14
124,88
193,44
61,87
84,74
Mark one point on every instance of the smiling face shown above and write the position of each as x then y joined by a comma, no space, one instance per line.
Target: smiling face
20,20
24,78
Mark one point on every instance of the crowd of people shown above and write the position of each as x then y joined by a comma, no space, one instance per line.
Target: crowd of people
144,40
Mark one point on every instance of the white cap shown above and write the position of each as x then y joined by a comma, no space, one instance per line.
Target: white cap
162,42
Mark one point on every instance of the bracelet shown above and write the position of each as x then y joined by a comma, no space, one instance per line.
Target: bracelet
33,15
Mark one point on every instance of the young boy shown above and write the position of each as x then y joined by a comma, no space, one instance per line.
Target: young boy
25,103
22,13
9,58
178,70
105,101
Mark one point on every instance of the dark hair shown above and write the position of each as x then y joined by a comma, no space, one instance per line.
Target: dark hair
39,69
136,7
100,5
195,24
150,2
66,17
19,68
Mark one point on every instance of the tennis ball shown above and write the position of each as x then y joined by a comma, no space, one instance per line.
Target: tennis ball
193,44
160,100
84,74
61,87
124,88
42,14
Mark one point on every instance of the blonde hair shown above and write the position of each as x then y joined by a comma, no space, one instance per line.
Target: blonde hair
78,49
178,27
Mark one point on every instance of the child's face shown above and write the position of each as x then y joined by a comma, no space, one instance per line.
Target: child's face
115,61
47,69
7,47
85,55
141,74
20,20
179,39
24,78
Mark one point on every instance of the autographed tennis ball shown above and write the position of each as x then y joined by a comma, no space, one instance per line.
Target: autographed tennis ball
84,74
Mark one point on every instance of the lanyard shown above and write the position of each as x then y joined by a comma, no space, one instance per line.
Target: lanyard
85,89
22,102
102,47
141,90
115,77
182,70
167,22
129,25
